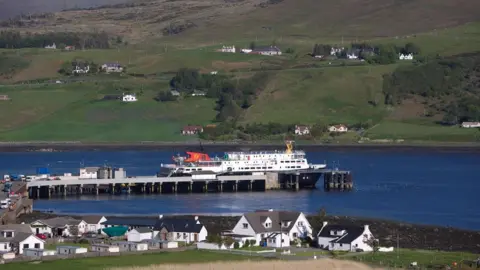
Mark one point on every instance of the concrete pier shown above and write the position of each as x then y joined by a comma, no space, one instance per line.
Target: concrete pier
204,182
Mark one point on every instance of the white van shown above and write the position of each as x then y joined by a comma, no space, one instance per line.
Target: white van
4,204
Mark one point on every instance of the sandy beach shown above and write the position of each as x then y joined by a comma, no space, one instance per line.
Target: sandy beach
326,264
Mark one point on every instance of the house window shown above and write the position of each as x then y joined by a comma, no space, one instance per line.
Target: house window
300,223
25,245
8,234
341,244
178,235
268,225
37,245
5,247
185,235
245,225
295,235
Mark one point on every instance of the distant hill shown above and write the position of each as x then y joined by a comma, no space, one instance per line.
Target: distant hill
226,20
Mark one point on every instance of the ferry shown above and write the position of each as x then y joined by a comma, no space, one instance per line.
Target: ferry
251,162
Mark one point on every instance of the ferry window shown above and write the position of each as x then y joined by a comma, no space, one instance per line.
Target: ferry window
299,167
263,168
200,169
269,167
281,161
258,168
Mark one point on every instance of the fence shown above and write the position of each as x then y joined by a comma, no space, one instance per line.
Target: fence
22,258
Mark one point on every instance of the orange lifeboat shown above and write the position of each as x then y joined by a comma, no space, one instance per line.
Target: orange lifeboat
193,157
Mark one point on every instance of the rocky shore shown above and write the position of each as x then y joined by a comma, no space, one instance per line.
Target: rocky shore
412,236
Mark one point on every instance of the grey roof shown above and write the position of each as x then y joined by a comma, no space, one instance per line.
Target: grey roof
181,225
92,219
352,233
143,229
60,222
25,228
256,219
17,237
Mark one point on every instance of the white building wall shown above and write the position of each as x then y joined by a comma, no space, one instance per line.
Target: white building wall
38,252
301,227
134,236
278,241
31,242
5,247
70,250
239,229
340,247
43,229
97,226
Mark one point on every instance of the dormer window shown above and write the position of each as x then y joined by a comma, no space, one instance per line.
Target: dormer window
268,225
285,223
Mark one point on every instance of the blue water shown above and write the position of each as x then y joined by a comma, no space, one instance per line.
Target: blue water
421,187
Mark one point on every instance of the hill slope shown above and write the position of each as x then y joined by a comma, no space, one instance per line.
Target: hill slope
226,20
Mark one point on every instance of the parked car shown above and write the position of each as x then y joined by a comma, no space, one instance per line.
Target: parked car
41,236
90,235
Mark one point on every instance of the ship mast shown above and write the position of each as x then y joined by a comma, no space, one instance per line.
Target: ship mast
289,145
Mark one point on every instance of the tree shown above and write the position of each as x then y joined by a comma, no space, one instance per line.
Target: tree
372,242
236,245
252,45
73,230
247,244
411,48
229,241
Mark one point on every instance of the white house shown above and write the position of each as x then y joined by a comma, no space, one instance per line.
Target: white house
471,124
302,130
272,50
34,252
112,67
53,46
338,128
334,51
94,223
104,248
89,173
345,238
17,237
67,250
246,50
140,234
129,98
130,246
58,226
277,240
405,56
81,68
352,55
228,49
198,93
181,229
259,225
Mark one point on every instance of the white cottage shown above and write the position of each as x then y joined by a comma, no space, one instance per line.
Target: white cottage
344,238
15,240
129,98
405,56
140,234
259,225
186,230
94,223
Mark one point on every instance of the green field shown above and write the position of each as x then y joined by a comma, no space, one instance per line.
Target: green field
301,90
193,256
425,259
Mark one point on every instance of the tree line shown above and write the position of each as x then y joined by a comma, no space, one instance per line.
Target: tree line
233,95
14,39
455,81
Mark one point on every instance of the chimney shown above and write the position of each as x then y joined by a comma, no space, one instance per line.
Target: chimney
270,210
365,227
196,217
324,224
160,216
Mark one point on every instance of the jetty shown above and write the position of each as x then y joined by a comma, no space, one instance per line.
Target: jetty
115,181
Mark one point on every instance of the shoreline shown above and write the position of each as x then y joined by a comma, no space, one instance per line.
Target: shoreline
410,235
224,146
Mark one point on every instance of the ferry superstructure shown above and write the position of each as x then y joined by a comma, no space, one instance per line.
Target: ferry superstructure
242,162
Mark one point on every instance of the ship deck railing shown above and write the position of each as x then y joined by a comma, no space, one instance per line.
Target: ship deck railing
294,152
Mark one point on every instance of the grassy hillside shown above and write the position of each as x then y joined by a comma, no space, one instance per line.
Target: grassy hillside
300,90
